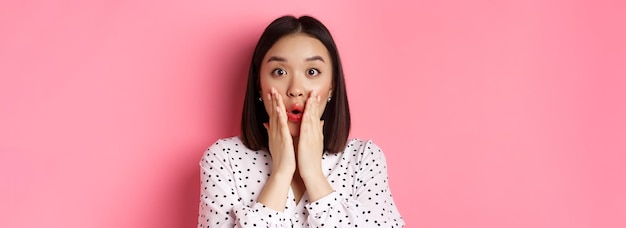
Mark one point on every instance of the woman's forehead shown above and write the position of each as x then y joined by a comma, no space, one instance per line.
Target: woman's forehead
297,47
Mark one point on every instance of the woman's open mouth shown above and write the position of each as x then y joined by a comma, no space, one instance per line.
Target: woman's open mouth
295,115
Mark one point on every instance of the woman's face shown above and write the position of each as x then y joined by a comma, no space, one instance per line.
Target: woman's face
295,66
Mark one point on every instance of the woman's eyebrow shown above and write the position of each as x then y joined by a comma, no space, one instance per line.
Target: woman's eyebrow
281,59
276,58
317,57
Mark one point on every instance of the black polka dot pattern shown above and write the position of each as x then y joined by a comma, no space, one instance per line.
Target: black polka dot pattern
232,176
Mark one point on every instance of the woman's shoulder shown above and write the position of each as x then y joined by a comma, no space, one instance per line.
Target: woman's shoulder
232,140
360,143
361,152
363,147
228,144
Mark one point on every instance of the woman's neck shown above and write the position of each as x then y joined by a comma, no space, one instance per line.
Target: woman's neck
295,140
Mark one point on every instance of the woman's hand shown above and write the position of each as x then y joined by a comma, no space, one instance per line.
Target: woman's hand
280,141
311,140
311,149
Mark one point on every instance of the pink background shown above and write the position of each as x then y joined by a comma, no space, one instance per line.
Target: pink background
491,113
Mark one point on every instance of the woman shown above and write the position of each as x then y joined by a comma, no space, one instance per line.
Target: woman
293,165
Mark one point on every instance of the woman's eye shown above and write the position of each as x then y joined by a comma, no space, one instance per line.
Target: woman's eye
279,72
313,72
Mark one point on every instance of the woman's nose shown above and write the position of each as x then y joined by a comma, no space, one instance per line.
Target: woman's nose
294,92
295,88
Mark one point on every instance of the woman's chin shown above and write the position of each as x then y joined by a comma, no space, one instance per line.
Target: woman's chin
294,129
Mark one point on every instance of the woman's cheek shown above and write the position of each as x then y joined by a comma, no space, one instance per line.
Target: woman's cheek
322,107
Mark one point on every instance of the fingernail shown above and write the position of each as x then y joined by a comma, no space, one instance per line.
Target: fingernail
319,98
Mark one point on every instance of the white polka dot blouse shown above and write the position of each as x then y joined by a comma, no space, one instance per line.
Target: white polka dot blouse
232,176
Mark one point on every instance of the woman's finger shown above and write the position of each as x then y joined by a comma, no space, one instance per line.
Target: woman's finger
274,110
311,112
282,116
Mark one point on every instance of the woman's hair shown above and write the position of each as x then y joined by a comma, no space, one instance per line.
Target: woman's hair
336,116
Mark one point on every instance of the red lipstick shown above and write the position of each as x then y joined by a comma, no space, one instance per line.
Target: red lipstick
294,113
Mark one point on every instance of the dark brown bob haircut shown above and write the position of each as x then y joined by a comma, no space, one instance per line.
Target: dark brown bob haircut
336,116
